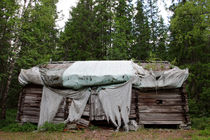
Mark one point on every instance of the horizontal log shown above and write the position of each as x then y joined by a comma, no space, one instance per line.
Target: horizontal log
28,92
132,116
31,113
161,122
58,119
160,96
31,105
57,122
157,91
31,119
86,113
30,109
33,98
98,118
83,122
160,109
161,103
161,116
32,102
59,114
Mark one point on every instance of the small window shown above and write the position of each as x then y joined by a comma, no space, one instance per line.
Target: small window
159,102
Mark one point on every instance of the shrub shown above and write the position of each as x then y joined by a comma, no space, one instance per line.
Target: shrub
52,127
15,127
10,118
201,123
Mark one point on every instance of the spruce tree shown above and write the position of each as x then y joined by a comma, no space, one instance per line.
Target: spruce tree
122,30
141,48
77,40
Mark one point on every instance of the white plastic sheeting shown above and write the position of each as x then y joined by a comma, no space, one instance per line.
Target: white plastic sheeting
30,76
173,78
51,99
116,103
92,73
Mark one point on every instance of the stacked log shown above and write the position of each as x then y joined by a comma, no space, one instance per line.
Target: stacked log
134,105
29,105
164,106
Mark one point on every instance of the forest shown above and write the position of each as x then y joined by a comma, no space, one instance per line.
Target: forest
106,30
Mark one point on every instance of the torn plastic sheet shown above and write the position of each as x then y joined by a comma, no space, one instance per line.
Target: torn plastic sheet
98,73
51,99
116,102
30,76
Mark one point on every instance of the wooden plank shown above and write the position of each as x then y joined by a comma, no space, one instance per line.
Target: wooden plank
160,109
161,117
161,122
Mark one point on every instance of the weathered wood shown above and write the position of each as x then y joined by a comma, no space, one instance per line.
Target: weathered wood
96,110
83,122
159,96
160,109
161,117
161,122
145,107
164,103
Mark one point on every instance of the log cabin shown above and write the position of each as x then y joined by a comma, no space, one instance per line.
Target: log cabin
149,106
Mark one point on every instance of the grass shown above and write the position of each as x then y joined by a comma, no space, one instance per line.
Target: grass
10,130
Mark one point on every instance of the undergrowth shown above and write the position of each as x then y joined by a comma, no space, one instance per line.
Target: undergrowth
50,127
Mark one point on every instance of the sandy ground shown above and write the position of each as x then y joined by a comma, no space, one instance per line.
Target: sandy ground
105,134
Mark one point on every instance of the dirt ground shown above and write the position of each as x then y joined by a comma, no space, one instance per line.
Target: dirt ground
105,134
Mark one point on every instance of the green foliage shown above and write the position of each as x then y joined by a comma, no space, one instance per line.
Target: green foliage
10,118
141,48
201,123
15,127
10,125
51,127
189,46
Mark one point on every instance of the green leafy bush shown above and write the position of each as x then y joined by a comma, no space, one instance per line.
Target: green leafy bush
50,127
201,123
15,127
10,118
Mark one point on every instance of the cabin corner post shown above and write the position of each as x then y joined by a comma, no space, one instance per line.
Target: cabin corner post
19,109
186,123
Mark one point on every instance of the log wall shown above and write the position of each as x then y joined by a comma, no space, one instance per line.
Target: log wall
163,106
147,107
29,105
